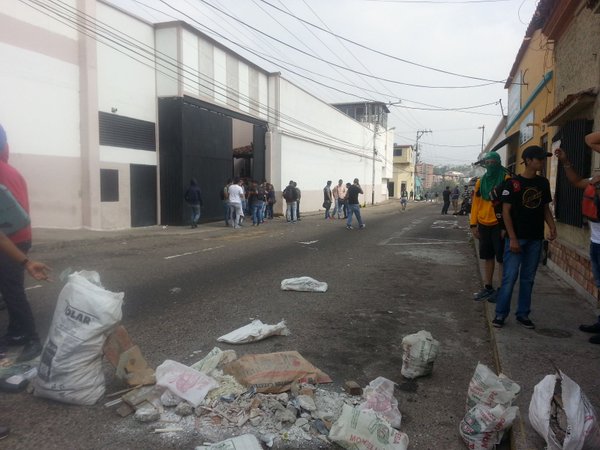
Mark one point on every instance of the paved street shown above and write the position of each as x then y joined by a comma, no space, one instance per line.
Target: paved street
407,271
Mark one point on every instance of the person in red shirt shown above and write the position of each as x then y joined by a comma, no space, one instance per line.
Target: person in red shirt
21,325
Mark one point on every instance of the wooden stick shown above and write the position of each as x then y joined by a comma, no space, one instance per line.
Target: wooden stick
167,430
123,391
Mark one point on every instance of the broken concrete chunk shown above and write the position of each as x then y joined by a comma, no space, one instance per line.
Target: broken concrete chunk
285,415
184,409
307,403
125,410
352,388
300,422
147,413
138,396
169,399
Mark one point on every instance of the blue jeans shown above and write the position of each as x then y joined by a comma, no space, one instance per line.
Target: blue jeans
518,265
257,212
226,212
291,211
338,207
195,213
356,210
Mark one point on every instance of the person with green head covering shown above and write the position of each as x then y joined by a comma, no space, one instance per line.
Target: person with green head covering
485,225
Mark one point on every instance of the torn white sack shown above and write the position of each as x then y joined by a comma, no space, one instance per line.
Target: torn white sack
185,382
303,284
254,331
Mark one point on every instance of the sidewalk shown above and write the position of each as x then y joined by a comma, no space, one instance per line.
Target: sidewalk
526,356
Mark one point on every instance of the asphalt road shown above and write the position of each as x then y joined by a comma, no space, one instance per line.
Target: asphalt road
407,271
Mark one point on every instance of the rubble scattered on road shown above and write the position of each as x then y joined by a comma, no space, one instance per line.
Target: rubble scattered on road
303,284
175,290
254,331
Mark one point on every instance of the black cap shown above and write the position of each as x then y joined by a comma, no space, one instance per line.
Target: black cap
535,151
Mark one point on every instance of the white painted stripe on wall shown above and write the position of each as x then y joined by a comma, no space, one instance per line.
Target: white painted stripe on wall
220,74
127,156
244,87
190,64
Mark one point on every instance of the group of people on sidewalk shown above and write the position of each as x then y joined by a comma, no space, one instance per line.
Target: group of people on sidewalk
507,217
344,199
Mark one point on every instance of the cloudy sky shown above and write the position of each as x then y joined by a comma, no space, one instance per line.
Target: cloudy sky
427,58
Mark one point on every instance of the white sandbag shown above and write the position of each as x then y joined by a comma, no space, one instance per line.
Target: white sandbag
254,331
185,382
483,427
576,416
70,367
243,442
420,351
490,389
365,430
379,397
303,284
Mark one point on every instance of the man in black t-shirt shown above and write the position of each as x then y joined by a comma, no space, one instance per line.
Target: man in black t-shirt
525,200
353,205
446,196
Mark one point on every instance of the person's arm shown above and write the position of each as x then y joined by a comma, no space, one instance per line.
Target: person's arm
510,229
572,176
36,269
550,221
593,141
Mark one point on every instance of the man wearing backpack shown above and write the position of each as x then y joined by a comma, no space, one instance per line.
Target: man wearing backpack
485,226
591,201
525,201
290,195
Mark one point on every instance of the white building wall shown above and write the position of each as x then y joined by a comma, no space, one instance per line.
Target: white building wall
190,54
320,143
39,108
167,77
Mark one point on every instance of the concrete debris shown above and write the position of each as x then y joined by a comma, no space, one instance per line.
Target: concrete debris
307,403
352,388
184,409
147,413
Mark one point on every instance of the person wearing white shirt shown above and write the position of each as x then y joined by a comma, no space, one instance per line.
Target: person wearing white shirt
236,194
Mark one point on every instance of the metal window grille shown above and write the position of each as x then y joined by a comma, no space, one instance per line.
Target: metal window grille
568,198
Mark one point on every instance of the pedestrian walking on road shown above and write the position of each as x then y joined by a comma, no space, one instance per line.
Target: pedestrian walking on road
591,200
403,199
485,225
236,195
353,206
446,197
327,200
339,196
454,196
21,325
193,197
525,201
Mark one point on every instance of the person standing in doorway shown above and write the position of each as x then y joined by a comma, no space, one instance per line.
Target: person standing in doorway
193,197
446,197
21,324
353,205
327,199
525,201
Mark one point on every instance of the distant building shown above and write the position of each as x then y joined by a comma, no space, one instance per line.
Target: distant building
404,171
425,173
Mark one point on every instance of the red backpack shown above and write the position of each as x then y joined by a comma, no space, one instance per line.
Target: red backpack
590,203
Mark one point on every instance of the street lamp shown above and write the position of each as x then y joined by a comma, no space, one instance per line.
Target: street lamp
482,128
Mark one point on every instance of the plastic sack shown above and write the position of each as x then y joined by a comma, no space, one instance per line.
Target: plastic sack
483,427
570,426
303,284
185,382
254,331
215,359
490,389
245,442
363,429
420,351
70,367
379,397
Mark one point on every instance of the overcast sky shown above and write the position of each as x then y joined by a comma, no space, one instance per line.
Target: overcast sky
477,39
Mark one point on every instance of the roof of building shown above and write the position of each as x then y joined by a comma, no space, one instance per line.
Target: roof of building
541,14
579,98
362,103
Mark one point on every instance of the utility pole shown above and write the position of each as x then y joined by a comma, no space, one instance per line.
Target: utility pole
482,128
374,155
417,154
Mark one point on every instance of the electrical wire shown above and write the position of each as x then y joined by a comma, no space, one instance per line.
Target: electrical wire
383,53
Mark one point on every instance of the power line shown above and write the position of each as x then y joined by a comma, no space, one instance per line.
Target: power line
488,83
383,53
